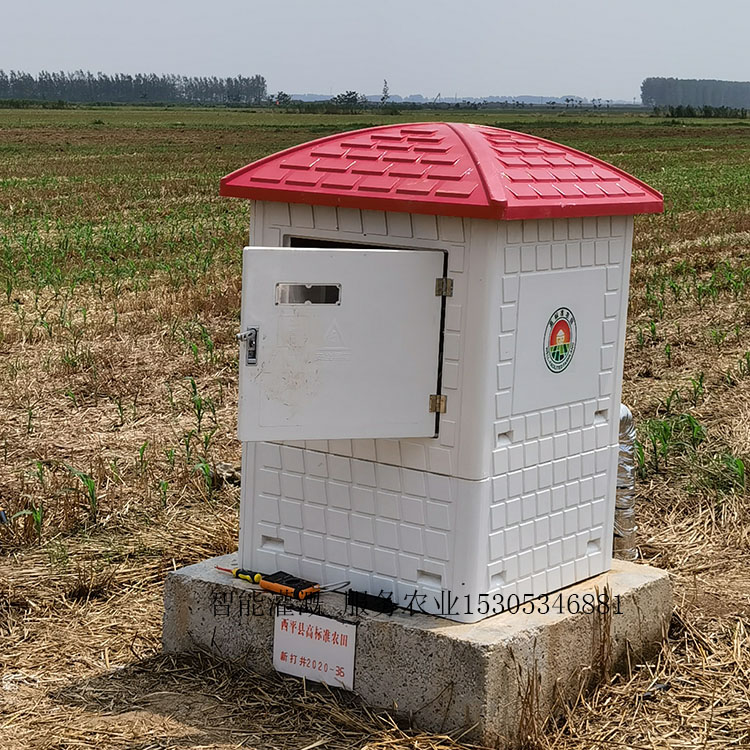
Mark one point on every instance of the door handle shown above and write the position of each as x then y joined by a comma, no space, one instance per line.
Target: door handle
250,337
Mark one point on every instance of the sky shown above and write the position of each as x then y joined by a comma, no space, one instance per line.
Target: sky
472,48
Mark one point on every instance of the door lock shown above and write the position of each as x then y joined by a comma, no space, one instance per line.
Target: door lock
250,337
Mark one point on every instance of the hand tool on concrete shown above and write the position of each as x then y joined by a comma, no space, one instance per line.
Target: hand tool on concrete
281,583
284,584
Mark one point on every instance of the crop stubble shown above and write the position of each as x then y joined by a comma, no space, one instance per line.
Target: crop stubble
119,299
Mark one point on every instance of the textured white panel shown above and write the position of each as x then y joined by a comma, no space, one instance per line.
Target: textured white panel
399,225
383,523
350,220
325,218
451,228
395,515
425,226
302,215
373,222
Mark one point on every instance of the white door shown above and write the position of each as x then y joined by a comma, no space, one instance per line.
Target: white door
339,343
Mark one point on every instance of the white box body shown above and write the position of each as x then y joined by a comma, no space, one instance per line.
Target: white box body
514,495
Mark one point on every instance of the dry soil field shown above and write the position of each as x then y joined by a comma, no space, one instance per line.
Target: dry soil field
119,301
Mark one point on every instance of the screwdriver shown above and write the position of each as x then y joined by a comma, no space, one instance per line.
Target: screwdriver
245,575
281,583
3,517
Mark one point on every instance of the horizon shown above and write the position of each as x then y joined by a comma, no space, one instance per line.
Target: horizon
54,78
544,98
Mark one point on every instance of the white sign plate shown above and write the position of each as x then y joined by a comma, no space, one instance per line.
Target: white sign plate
314,647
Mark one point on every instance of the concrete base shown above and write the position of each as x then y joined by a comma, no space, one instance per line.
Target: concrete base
494,681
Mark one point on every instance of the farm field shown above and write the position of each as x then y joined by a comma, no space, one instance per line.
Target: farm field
119,302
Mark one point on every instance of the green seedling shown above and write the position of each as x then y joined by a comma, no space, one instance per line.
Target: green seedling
673,398
37,516
698,388
141,465
718,337
207,437
200,404
659,434
39,473
736,468
676,289
117,401
676,434
725,473
163,489
114,467
207,343
204,469
695,431
89,491
170,393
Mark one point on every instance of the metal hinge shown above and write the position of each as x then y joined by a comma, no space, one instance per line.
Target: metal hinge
438,404
444,287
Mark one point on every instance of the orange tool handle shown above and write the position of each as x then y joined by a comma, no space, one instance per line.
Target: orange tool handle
294,593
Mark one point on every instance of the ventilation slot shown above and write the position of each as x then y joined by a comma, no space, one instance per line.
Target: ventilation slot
497,580
593,546
429,580
504,438
271,544
601,416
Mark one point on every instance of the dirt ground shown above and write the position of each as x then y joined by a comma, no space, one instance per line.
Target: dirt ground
118,398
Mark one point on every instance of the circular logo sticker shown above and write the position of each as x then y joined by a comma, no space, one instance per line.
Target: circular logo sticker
560,339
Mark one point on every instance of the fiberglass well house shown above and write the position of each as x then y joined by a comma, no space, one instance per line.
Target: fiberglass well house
433,322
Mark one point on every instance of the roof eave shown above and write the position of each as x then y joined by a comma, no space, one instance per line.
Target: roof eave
496,211
369,202
583,210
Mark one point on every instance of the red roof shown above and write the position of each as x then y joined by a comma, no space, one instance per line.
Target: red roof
450,169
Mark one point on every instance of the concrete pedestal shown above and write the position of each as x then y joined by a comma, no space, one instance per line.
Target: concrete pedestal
492,681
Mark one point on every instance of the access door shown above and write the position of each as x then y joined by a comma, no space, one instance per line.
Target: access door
339,343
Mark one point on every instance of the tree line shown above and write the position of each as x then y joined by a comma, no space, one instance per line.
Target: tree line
665,92
688,110
123,88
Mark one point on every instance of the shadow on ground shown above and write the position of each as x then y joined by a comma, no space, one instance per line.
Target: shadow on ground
196,701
